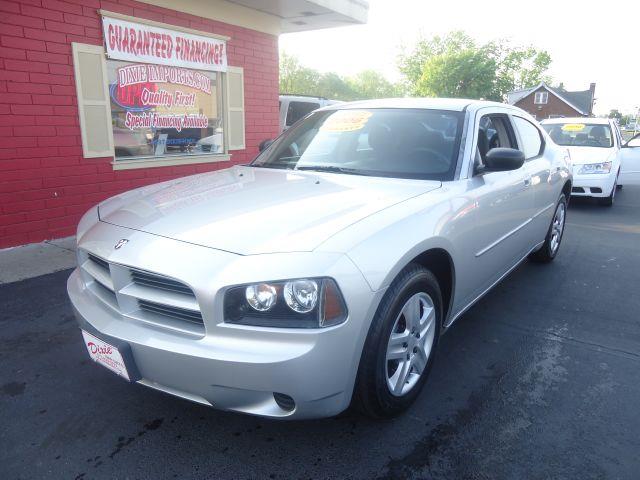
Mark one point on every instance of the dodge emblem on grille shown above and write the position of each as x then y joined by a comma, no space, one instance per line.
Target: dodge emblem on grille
120,243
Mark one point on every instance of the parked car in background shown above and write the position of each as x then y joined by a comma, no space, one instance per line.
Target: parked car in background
324,272
295,107
594,145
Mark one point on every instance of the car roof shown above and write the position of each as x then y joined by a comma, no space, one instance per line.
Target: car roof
455,104
308,98
591,120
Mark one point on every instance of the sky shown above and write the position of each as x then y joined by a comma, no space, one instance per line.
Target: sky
588,41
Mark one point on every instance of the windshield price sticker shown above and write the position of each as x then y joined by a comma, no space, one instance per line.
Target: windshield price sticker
573,127
346,121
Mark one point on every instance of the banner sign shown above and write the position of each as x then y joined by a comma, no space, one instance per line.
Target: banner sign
163,110
135,42
153,96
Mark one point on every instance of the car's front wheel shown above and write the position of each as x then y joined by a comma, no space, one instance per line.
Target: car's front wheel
401,343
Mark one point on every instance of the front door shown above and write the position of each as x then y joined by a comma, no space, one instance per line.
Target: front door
504,202
630,162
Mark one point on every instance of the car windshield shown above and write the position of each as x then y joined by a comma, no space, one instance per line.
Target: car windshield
402,143
580,134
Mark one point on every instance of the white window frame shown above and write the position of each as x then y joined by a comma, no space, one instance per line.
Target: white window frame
169,160
541,98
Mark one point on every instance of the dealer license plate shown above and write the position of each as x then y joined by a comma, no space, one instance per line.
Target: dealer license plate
105,354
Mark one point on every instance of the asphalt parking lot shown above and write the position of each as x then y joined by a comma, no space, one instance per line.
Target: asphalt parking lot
541,379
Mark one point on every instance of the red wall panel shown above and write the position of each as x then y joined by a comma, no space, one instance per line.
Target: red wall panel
45,183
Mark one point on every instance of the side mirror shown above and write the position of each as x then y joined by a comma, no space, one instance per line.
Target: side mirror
503,160
265,144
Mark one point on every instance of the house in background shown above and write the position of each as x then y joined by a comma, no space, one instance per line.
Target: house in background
544,101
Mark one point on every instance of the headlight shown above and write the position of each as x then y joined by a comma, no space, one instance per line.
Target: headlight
296,303
261,297
301,295
604,167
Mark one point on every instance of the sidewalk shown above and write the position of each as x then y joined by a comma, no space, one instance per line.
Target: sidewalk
33,260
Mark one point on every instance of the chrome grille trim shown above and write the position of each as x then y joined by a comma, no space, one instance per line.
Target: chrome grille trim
99,261
156,281
105,294
148,297
173,312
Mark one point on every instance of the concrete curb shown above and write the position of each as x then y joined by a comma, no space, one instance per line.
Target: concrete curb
33,260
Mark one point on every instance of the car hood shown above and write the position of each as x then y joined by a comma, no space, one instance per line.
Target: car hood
583,155
249,210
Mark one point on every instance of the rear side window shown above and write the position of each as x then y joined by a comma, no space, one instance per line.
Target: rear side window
530,136
298,110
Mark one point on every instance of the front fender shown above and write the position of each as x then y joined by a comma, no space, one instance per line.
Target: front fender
383,244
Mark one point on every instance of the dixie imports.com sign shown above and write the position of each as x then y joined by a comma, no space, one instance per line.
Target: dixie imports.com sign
135,42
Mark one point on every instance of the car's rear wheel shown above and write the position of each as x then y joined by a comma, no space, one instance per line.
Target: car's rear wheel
551,244
401,343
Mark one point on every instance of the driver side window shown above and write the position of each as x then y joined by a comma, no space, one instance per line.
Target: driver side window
493,131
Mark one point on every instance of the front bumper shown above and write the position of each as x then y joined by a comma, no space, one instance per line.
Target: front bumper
232,367
593,185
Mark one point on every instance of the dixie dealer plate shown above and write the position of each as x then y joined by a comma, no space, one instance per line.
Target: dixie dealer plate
105,354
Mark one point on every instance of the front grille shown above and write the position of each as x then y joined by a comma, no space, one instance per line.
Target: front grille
157,281
149,297
577,190
99,261
170,311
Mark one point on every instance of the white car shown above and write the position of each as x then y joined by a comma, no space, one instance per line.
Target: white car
296,107
325,271
595,148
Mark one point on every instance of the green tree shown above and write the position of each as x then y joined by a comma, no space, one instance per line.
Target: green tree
455,65
462,74
615,113
518,67
370,84
411,64
333,86
295,78
298,79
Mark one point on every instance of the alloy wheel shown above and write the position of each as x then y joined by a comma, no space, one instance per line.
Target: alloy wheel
410,343
557,227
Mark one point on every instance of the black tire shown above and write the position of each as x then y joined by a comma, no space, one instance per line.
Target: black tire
608,201
546,253
372,395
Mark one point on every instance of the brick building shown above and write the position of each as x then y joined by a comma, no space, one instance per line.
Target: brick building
544,101
98,97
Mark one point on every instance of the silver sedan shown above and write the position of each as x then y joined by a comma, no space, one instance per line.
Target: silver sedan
323,273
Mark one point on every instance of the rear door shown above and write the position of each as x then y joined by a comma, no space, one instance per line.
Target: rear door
542,174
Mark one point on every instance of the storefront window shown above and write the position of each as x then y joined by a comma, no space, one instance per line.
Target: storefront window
160,110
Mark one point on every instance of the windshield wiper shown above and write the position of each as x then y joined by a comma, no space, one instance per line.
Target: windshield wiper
331,169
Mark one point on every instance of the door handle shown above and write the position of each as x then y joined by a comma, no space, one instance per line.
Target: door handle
527,181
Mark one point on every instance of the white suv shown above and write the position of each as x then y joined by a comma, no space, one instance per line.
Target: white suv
295,107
